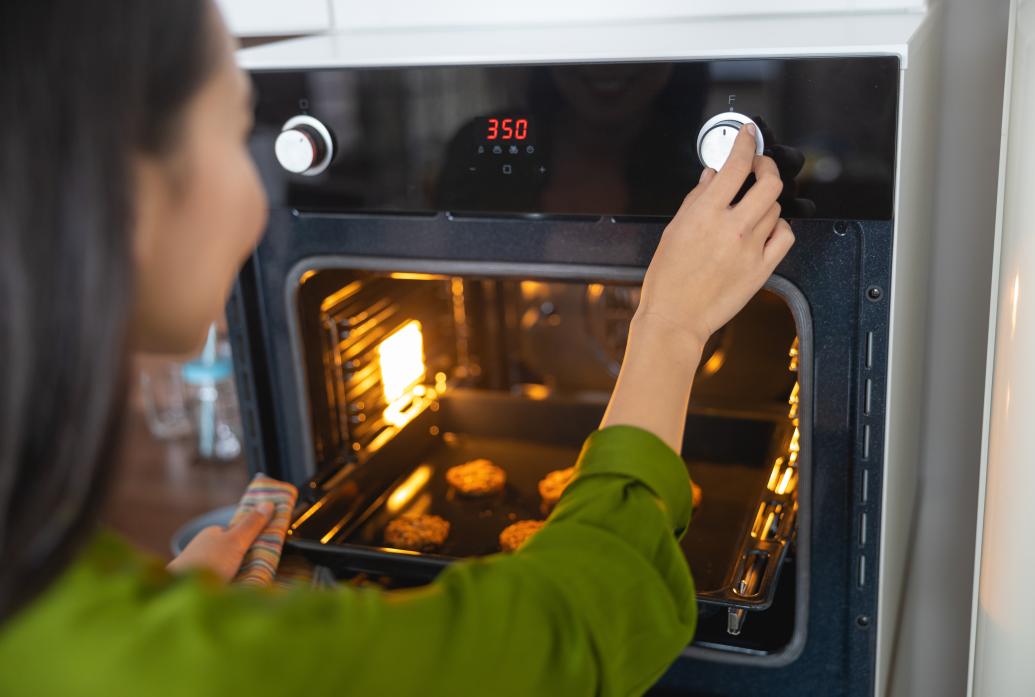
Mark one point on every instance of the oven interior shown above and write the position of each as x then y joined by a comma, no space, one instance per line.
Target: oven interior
409,374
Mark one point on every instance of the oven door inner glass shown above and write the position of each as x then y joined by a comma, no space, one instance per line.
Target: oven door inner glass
409,375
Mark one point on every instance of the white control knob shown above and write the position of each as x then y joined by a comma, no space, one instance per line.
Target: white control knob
715,140
304,146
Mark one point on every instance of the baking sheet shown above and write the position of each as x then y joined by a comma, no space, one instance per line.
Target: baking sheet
729,456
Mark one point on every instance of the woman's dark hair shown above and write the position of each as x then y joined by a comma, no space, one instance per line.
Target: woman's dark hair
85,87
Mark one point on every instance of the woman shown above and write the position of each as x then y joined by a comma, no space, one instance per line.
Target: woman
127,202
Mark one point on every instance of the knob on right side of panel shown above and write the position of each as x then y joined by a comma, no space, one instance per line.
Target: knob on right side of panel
715,140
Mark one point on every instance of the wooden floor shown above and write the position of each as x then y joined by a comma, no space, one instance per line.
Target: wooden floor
160,487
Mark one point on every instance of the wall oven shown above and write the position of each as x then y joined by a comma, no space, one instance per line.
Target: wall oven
454,253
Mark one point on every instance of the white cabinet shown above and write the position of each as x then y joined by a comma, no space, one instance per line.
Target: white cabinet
357,14
289,17
276,17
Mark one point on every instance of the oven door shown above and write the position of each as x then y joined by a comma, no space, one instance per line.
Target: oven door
822,592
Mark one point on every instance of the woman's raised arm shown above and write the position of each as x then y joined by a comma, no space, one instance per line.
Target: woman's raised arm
712,259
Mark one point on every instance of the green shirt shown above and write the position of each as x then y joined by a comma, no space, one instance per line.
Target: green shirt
599,602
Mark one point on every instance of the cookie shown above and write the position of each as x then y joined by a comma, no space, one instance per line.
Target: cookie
553,485
513,536
477,478
419,533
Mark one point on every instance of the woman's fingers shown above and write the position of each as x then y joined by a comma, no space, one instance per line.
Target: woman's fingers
251,524
764,227
706,177
776,248
221,551
762,195
738,166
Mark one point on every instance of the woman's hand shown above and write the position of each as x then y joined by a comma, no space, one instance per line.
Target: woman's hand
222,549
714,257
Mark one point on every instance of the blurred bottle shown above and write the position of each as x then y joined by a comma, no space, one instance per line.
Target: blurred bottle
212,400
164,398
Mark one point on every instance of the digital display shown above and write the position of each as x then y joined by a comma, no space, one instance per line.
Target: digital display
511,138
506,128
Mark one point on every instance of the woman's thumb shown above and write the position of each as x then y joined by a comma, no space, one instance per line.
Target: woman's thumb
253,523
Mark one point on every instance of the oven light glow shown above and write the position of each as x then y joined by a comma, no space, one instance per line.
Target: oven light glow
412,485
594,291
767,529
793,402
536,391
402,360
410,276
396,415
757,528
753,573
714,362
340,296
775,474
785,481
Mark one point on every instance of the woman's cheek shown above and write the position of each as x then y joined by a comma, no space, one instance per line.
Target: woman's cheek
221,240
243,218
256,208
205,240
242,214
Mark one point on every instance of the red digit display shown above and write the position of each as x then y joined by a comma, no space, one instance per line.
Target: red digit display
506,129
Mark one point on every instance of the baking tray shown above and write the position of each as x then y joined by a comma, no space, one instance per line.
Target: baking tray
728,454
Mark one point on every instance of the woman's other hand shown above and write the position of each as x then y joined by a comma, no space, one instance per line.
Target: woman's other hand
221,549
714,256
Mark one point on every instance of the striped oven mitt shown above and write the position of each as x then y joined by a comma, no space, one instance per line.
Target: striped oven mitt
259,567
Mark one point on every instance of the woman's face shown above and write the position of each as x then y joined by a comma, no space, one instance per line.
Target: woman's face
200,210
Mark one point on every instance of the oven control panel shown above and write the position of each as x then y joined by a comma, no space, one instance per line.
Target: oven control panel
622,141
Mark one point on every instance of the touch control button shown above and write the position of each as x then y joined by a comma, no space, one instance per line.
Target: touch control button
715,141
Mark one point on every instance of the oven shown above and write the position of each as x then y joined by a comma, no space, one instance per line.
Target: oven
453,257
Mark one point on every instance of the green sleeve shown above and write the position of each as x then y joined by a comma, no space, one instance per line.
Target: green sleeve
599,602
